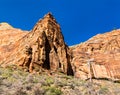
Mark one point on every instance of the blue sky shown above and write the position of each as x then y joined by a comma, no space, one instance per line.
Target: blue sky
79,19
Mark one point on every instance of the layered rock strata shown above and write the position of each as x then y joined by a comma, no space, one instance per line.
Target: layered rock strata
43,47
99,57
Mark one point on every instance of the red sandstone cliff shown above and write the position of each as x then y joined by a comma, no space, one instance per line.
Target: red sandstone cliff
44,48
99,57
41,48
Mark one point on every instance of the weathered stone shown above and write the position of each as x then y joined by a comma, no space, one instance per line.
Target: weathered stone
103,53
43,47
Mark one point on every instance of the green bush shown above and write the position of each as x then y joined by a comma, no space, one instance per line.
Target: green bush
52,91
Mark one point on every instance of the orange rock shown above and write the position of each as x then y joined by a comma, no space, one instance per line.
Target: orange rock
43,47
104,49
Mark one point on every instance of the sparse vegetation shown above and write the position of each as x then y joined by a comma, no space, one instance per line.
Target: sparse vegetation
103,90
15,81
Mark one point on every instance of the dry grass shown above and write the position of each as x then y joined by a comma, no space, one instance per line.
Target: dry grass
18,82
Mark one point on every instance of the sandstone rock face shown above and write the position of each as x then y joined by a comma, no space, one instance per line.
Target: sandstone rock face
5,26
42,48
8,37
99,57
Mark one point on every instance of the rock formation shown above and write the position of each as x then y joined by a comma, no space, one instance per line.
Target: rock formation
99,57
8,37
43,48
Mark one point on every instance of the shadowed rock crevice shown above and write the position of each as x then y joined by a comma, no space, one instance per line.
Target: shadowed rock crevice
46,64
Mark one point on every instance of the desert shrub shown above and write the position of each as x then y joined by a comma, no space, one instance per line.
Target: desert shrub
66,76
7,73
60,83
116,91
29,78
52,91
39,91
103,90
49,81
20,92
18,82
78,82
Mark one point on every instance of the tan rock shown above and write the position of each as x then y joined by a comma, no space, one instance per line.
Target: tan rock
5,26
104,50
43,47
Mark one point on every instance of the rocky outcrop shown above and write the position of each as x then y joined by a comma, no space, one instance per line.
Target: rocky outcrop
99,57
5,26
8,37
41,48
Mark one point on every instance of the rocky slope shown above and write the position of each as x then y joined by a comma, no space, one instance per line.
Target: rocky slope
16,82
8,37
44,49
99,57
